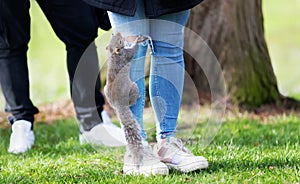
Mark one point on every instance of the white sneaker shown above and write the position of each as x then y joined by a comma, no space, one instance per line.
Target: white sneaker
175,155
22,137
151,165
104,134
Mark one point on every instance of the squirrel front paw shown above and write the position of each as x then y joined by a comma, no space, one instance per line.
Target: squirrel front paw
141,39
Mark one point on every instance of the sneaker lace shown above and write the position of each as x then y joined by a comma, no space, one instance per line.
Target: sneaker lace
179,145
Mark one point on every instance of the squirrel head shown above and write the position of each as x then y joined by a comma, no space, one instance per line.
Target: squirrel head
116,43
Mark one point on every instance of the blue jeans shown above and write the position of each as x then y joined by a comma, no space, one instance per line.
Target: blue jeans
166,37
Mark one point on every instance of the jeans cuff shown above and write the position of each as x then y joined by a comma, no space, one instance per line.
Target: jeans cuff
167,134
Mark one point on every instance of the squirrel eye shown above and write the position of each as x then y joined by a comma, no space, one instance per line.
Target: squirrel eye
120,41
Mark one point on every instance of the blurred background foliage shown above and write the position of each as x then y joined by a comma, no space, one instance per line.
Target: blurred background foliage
282,32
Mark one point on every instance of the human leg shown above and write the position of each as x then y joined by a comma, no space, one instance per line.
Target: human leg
14,37
75,23
166,85
167,70
130,28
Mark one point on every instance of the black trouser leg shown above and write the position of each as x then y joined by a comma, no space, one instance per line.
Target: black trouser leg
76,24
14,37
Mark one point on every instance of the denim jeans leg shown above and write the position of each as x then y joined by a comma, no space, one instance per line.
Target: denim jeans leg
166,86
130,26
137,75
167,70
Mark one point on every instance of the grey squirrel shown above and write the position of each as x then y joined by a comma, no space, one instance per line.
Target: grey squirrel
121,92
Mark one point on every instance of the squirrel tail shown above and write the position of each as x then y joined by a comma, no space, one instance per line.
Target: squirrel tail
132,132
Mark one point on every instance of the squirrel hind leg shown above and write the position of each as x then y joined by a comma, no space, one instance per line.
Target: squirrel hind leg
133,94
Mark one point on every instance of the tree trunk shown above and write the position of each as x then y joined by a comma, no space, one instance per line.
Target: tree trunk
234,30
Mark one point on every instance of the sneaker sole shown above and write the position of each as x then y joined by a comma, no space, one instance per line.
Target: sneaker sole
18,150
189,167
146,170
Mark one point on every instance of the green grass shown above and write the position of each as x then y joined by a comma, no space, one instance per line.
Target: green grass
243,151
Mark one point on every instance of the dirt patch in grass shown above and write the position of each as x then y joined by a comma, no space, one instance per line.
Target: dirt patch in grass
64,109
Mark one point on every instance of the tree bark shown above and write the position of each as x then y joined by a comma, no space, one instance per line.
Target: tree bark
234,30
